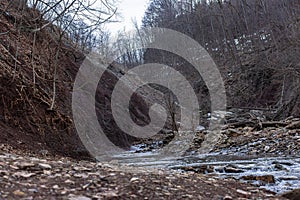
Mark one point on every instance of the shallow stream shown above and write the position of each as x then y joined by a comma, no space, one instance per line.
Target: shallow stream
284,171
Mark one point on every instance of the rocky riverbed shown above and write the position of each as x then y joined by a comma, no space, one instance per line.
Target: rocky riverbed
277,174
252,160
265,154
26,176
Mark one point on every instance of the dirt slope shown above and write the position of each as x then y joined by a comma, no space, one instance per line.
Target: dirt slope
26,120
27,72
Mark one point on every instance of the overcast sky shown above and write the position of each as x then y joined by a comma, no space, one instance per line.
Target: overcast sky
128,9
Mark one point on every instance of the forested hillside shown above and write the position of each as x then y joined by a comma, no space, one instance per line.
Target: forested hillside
256,45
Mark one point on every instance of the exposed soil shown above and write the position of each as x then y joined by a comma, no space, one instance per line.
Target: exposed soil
26,86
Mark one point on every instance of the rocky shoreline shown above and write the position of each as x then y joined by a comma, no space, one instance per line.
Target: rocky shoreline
277,138
241,136
35,177
263,153
42,176
229,172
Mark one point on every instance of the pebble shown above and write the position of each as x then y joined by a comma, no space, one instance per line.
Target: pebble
23,174
109,194
243,192
56,187
25,165
19,193
228,198
44,166
33,190
79,198
267,148
133,179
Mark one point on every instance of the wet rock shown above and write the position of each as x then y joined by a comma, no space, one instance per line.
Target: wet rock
219,169
189,169
292,195
232,169
287,163
264,178
209,169
202,169
279,167
288,178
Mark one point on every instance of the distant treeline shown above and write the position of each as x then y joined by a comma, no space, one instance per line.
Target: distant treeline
256,45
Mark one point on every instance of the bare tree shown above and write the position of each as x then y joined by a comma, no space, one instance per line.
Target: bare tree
255,43
75,23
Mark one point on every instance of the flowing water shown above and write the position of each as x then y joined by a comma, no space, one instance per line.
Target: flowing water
284,169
